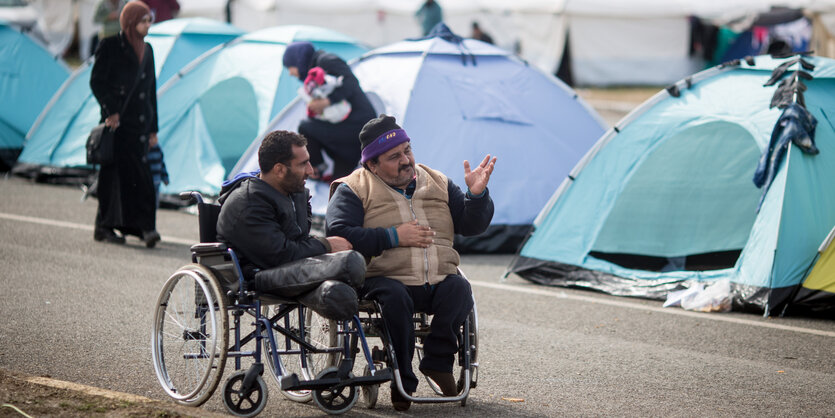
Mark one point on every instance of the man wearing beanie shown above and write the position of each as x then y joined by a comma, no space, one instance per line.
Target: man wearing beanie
338,140
402,218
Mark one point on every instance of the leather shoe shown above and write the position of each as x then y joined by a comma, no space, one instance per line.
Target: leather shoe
107,235
444,380
151,238
398,401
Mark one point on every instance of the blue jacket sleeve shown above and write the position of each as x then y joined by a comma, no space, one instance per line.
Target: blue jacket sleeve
471,215
345,217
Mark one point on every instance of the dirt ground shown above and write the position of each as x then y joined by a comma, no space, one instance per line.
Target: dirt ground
22,395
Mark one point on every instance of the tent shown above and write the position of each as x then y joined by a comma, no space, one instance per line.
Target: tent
55,143
666,199
463,99
29,76
212,111
611,42
817,292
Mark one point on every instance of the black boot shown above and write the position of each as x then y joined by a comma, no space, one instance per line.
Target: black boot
151,238
107,235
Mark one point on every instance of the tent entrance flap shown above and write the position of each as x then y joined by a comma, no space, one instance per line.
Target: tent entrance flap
692,194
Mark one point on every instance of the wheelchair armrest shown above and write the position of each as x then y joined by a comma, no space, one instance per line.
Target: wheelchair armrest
205,248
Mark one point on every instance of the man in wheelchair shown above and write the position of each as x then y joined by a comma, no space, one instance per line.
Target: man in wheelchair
266,216
402,218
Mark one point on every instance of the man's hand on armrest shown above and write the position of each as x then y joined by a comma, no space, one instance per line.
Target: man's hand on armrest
339,244
411,234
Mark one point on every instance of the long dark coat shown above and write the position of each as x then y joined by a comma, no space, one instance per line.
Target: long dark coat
126,189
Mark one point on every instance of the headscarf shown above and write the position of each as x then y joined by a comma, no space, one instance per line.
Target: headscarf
298,54
132,14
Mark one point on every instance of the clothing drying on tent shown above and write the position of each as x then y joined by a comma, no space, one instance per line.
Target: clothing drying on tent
29,76
673,182
56,143
462,99
214,109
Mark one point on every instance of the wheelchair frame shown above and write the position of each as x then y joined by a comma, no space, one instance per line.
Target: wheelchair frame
215,288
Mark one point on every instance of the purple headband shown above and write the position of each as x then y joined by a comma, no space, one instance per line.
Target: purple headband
384,143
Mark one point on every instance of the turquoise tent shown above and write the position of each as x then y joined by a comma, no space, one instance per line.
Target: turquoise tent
463,99
212,111
666,197
55,144
29,76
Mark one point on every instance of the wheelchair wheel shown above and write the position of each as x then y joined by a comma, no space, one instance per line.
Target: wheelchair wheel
244,402
190,335
318,331
369,393
337,401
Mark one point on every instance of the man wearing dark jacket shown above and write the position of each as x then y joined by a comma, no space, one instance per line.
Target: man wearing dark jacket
265,217
402,218
337,139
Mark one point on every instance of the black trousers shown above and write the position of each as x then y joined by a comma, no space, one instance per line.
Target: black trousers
450,301
339,140
324,283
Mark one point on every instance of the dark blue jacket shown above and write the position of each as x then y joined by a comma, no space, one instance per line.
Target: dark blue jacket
471,215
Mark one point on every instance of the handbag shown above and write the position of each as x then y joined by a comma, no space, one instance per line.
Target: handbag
100,146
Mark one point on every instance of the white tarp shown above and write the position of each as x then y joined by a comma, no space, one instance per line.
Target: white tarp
612,41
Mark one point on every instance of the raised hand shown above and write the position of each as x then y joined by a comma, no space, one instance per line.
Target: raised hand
411,234
477,179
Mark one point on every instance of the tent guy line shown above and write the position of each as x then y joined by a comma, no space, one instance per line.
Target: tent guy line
495,286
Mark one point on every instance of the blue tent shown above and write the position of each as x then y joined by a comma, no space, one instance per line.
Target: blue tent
462,99
213,110
55,144
29,76
666,199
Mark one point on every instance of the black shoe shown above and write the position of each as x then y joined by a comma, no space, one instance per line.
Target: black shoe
107,235
398,401
444,380
151,238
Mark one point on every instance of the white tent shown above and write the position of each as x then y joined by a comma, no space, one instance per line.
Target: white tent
612,41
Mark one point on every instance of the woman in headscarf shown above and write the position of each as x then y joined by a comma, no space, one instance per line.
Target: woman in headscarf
339,140
123,78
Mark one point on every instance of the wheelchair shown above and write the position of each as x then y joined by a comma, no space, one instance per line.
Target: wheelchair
308,356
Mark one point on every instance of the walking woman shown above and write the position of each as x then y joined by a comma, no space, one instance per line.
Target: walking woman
124,84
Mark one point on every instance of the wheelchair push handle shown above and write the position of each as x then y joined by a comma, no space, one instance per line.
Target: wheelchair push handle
191,197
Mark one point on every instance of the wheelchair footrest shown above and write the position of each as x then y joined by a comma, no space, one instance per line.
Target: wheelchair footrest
292,381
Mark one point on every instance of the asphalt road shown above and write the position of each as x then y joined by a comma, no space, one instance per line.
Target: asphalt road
80,311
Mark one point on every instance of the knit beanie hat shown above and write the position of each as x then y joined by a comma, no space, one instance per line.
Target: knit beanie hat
298,54
380,135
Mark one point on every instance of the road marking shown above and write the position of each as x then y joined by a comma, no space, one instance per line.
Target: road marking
499,286
83,227
90,390
552,292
